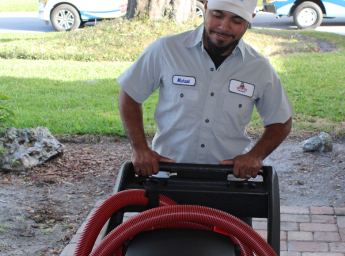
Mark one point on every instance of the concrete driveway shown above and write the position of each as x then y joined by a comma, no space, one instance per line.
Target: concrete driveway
23,22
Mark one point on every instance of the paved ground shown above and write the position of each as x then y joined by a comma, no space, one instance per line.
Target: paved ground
305,231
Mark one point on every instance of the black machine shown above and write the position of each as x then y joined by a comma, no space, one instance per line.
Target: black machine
202,185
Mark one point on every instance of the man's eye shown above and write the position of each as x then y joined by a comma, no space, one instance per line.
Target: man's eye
237,21
217,14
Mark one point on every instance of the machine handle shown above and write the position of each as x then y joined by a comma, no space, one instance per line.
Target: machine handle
203,171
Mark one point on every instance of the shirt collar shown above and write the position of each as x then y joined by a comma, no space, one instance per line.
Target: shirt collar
195,38
241,47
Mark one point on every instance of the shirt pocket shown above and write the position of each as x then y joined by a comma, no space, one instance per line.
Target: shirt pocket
177,109
237,104
238,108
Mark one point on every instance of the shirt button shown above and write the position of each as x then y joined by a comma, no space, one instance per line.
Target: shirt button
240,106
211,69
206,121
202,145
181,95
212,93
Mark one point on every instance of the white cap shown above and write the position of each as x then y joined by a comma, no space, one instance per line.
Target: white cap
243,8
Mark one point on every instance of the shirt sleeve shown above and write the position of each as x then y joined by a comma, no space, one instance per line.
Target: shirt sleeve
273,103
143,77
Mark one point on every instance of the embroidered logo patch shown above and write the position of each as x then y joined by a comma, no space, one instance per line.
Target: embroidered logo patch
242,88
184,80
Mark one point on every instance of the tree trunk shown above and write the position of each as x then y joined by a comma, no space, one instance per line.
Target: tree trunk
157,9
137,7
180,10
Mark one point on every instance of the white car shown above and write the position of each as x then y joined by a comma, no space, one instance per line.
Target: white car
71,14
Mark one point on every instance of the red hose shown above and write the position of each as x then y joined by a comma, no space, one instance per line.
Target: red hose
245,250
163,217
176,213
106,210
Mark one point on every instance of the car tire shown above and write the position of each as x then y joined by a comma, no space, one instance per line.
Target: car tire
65,18
307,15
200,11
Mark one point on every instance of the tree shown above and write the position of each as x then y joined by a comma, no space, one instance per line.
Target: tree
180,10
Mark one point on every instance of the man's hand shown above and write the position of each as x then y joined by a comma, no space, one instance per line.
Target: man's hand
245,166
248,165
146,162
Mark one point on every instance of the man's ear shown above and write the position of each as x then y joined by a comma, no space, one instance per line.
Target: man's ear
205,5
253,15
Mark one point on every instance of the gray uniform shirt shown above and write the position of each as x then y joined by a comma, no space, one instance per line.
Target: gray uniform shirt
202,111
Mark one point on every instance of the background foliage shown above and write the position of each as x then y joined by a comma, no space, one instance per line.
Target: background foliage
68,81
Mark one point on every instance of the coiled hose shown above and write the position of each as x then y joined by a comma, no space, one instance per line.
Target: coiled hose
169,214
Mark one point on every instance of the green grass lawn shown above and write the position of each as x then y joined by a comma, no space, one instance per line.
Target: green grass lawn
66,96
18,6
70,96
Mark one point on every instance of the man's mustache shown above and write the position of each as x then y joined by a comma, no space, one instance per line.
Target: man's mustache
222,33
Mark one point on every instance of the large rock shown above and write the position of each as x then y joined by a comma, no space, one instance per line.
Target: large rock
322,142
327,142
26,148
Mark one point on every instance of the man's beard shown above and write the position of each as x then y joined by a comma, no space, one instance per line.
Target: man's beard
215,49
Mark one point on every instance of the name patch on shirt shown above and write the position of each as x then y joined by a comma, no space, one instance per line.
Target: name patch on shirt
241,88
184,80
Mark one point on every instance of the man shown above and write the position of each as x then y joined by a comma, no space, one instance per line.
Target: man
209,82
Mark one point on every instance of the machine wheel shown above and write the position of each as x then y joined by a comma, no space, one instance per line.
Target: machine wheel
200,11
65,18
307,15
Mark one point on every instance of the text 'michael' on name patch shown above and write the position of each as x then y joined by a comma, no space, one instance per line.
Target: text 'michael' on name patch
242,88
184,80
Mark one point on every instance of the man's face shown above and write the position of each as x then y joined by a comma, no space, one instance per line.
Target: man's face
222,31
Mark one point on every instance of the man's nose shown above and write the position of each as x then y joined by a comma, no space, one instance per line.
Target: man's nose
224,25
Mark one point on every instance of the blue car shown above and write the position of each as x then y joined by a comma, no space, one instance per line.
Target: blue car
306,14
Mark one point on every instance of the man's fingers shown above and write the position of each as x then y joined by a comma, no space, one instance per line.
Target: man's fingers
253,172
256,171
242,169
247,174
143,172
227,162
165,159
149,172
155,168
137,170
152,167
236,170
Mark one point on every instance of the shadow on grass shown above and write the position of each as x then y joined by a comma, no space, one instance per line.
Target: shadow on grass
77,107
